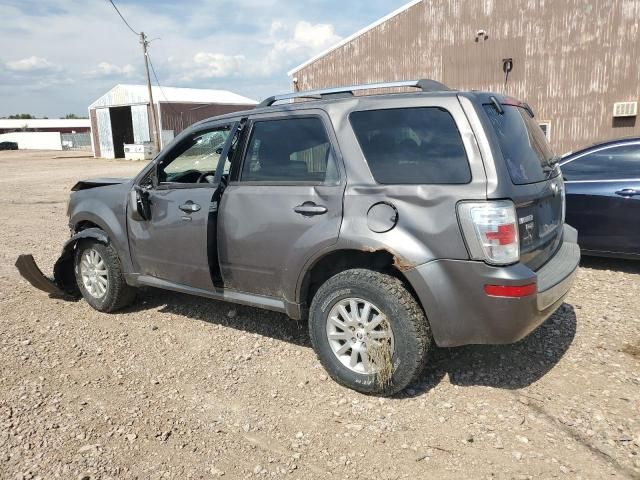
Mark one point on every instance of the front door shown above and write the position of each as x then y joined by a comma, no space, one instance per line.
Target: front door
603,198
283,203
177,243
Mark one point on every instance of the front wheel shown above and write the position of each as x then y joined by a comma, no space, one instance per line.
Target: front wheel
369,332
99,277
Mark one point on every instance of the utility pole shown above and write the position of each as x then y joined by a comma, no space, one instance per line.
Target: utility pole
155,134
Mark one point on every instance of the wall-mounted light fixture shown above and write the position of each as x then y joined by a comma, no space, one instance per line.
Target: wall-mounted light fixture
507,66
481,35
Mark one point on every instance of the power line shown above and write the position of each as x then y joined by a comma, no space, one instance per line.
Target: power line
155,75
145,44
123,19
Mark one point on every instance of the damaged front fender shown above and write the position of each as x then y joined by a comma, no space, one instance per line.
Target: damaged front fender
63,284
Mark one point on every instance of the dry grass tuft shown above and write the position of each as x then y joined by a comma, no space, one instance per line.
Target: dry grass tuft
381,358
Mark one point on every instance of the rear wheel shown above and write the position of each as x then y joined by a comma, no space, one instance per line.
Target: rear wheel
99,277
369,332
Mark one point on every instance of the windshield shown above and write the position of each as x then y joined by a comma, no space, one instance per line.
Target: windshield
523,144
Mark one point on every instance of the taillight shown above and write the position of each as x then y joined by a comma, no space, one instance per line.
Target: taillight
491,231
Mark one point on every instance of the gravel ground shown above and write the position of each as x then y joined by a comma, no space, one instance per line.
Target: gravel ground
182,387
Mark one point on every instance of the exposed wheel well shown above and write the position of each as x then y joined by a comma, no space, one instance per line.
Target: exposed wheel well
83,225
339,261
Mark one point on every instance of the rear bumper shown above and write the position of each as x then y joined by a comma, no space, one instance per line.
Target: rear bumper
461,313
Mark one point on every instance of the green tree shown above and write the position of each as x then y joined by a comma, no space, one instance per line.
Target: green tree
22,116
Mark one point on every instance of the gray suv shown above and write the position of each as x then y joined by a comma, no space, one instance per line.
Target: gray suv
391,222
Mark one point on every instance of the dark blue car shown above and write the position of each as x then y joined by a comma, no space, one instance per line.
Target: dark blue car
603,197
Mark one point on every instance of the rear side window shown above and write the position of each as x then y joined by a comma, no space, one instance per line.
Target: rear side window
412,146
615,163
523,144
291,150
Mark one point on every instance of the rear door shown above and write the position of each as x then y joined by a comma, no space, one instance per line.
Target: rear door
603,198
536,186
283,203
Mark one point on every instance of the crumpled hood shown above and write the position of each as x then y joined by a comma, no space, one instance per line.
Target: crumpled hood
97,182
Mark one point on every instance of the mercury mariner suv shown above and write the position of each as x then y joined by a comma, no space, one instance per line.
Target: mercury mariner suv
392,222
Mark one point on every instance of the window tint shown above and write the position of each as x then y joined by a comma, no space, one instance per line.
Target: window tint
412,146
523,144
195,159
291,150
621,162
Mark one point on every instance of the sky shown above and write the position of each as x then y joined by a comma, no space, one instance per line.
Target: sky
56,57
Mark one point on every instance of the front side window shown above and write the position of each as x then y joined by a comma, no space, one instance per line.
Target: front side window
615,163
289,150
195,160
412,146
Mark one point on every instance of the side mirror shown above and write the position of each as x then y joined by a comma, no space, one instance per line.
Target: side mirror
139,204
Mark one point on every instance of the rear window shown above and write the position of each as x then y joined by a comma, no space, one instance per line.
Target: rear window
523,144
412,146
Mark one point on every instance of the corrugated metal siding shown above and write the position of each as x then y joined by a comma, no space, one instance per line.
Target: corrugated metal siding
572,59
95,143
140,120
105,135
120,95
178,116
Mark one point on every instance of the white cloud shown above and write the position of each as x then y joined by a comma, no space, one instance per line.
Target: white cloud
214,65
31,64
289,44
316,37
285,44
106,69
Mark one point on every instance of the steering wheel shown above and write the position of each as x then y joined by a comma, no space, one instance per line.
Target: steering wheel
206,177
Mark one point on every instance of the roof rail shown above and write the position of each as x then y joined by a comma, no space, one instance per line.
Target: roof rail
424,84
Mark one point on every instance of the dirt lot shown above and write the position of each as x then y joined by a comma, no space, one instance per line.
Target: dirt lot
181,387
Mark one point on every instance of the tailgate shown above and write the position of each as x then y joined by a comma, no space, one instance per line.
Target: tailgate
535,184
540,222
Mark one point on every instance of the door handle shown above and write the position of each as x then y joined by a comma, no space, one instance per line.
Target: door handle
309,209
190,207
628,192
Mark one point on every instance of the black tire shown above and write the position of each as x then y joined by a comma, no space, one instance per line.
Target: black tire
118,294
411,332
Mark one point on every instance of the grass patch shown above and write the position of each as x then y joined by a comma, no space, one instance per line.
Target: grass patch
381,358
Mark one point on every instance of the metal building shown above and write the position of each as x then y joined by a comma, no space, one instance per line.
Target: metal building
47,134
122,115
576,62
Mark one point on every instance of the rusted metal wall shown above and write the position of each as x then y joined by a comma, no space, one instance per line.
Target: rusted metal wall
572,58
178,116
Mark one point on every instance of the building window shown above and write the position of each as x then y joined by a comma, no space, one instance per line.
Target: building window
546,129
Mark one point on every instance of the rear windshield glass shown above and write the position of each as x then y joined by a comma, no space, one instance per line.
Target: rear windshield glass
523,144
412,146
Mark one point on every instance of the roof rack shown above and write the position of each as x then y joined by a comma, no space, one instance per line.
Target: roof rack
424,84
